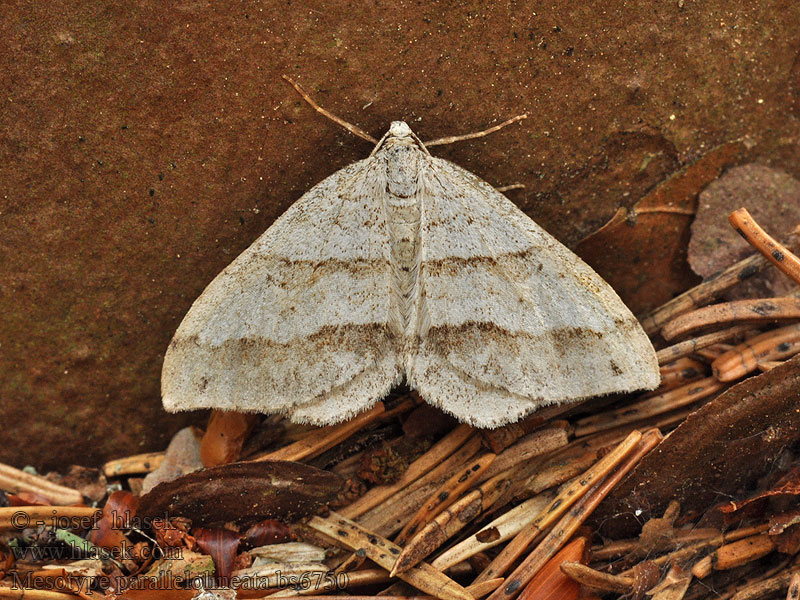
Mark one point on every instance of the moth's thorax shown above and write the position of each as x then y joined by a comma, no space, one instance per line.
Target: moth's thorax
403,159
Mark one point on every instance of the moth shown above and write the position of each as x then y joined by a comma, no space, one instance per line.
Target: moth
404,267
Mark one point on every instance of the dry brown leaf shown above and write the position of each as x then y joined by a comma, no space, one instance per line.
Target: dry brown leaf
118,516
550,583
182,456
222,545
647,274
243,492
719,449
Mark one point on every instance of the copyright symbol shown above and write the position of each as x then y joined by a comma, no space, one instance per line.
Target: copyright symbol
20,520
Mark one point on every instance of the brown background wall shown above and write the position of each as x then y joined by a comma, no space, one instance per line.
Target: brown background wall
144,145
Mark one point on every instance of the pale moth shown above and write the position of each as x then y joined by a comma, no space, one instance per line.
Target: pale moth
404,267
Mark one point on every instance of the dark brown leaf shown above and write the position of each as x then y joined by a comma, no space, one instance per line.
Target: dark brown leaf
789,485
720,449
243,492
427,421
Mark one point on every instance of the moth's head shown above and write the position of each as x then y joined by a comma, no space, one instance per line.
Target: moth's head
400,129
399,138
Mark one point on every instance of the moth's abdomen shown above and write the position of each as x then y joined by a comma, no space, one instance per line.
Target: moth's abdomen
403,217
404,231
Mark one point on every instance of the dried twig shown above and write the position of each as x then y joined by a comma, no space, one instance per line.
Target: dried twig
743,359
354,579
764,310
538,443
620,548
445,495
765,588
498,531
687,552
564,529
16,481
501,438
390,515
316,442
713,352
20,517
794,587
734,555
655,405
691,346
705,292
450,521
770,248
441,450
479,590
768,365
557,507
597,579
557,469
383,552
679,372
32,594
133,465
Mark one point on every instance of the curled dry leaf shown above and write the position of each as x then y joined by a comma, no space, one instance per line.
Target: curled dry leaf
243,492
174,532
117,516
644,274
720,449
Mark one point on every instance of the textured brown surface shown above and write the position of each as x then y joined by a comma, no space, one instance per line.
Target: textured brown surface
772,197
248,490
142,147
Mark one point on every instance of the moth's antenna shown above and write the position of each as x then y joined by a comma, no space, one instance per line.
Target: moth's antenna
470,136
351,128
